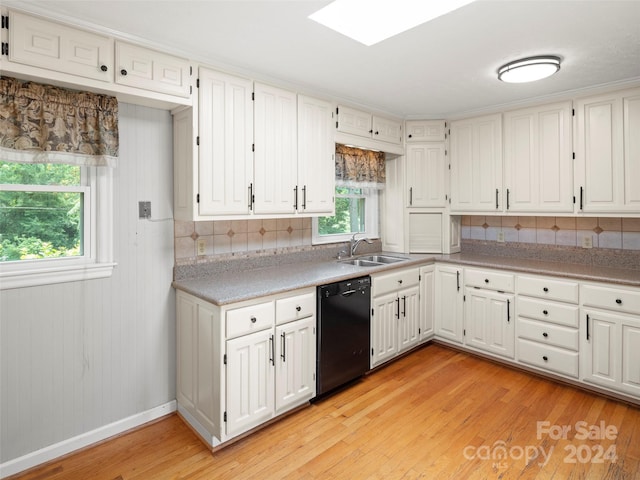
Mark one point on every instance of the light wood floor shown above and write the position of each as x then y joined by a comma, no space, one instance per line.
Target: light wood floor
435,414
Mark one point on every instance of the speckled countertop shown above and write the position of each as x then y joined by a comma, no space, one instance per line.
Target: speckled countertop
236,286
246,284
595,273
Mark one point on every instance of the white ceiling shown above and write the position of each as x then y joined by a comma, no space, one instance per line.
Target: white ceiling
442,69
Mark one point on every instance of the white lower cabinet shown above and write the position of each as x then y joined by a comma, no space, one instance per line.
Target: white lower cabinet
449,309
488,312
610,340
250,381
395,313
427,302
242,364
547,324
489,322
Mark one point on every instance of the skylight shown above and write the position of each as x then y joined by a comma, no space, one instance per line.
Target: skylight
371,21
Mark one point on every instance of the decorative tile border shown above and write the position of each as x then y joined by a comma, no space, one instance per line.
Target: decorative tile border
609,233
237,237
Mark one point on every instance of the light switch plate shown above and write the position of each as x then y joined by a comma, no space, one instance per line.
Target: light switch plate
587,241
500,237
144,209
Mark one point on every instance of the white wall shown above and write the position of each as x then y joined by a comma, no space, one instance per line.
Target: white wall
79,356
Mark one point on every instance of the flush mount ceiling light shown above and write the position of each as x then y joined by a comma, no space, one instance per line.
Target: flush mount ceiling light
529,69
371,21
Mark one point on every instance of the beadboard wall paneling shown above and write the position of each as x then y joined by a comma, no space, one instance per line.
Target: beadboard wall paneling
75,357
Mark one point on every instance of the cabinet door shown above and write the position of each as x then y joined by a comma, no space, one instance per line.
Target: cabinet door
143,68
354,121
425,131
41,43
449,303
630,352
538,159
476,164
384,328
276,150
631,127
225,116
409,321
387,130
250,381
426,175
427,304
489,321
316,156
601,342
608,152
392,202
295,363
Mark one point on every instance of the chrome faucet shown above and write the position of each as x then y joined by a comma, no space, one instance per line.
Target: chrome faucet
354,243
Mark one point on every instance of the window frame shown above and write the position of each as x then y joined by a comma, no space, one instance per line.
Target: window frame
371,220
97,259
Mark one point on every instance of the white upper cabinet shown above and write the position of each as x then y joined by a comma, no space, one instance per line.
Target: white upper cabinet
276,150
143,68
41,43
364,124
608,152
386,129
426,175
316,161
425,131
225,134
538,159
476,164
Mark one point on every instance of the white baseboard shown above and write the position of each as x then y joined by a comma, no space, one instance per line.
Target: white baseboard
54,451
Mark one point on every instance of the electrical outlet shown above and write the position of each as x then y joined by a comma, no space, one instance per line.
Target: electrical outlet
202,246
500,237
144,209
587,241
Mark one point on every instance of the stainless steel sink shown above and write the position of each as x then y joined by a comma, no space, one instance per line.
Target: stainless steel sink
373,260
383,259
361,262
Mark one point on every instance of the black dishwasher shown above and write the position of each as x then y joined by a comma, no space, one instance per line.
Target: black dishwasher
344,331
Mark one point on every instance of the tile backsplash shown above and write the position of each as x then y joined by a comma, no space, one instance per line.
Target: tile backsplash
226,237
605,232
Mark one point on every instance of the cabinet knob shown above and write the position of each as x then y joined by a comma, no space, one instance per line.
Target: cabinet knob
619,301
104,68
254,319
545,312
123,72
298,308
544,357
376,132
410,136
486,280
370,131
545,334
400,281
545,289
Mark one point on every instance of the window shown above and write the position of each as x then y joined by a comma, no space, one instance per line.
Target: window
356,212
42,211
49,228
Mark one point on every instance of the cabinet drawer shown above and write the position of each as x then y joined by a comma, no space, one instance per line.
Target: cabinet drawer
390,282
294,308
489,279
548,357
538,309
561,290
617,299
548,333
244,320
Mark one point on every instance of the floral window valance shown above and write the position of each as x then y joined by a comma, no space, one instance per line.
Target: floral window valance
47,124
359,168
